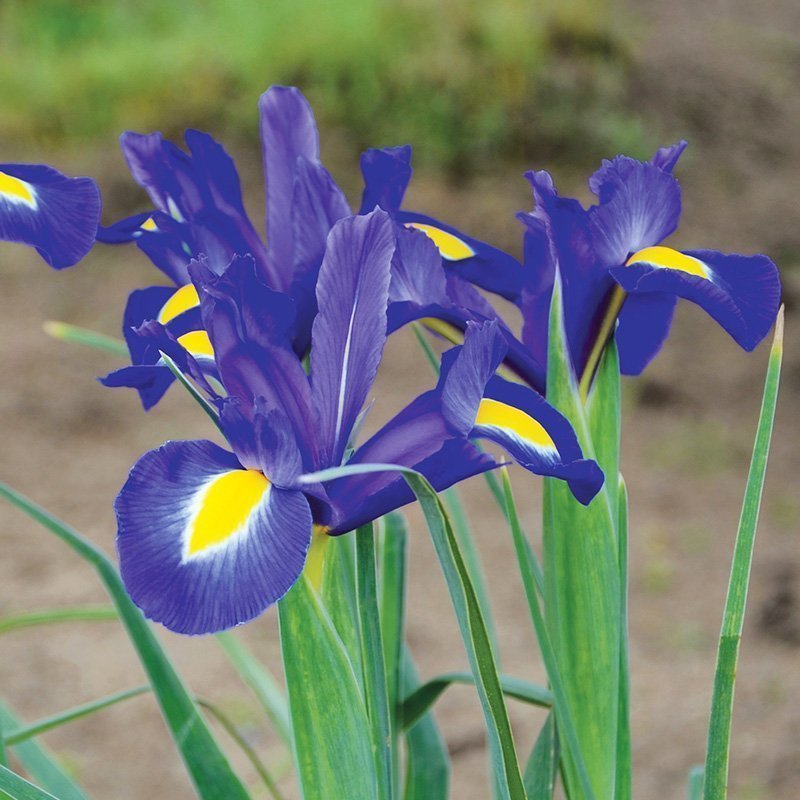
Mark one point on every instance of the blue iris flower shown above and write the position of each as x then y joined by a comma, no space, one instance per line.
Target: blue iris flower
45,209
616,271
199,212
208,537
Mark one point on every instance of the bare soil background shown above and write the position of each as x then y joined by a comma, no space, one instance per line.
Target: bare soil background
725,76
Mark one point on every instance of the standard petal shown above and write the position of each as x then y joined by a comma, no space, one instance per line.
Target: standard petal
536,435
41,207
350,329
742,293
387,172
667,157
288,132
204,544
643,326
471,259
640,205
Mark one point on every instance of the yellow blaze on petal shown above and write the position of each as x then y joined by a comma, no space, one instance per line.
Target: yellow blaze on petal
667,258
197,343
225,507
185,298
496,414
451,247
149,225
16,190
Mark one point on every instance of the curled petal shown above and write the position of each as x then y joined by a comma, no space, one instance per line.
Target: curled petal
387,172
41,207
742,293
204,544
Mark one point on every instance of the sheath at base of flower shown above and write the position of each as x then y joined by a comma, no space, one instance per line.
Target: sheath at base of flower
55,214
617,273
209,538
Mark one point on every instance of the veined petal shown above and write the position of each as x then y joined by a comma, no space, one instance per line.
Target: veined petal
640,205
471,259
536,435
41,207
643,326
742,293
204,544
350,329
387,172
288,132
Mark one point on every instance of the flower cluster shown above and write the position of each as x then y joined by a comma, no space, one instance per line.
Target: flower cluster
284,338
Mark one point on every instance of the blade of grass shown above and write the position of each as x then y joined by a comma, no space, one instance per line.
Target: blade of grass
427,760
623,788
242,743
14,737
719,729
696,775
373,667
541,771
76,335
392,610
422,699
261,682
526,561
205,761
45,617
13,787
40,763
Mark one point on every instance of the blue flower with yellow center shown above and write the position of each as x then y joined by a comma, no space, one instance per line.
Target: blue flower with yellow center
209,537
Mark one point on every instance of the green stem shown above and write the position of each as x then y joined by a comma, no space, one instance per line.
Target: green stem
77,614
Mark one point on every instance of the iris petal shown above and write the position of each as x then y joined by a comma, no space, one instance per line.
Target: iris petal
49,211
204,544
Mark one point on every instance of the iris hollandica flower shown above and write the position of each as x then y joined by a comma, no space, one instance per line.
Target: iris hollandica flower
616,270
45,209
209,537
199,212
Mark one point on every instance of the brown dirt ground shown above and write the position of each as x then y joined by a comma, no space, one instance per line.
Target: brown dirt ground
68,443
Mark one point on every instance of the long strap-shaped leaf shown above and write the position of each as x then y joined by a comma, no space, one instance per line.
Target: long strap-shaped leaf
333,747
470,621
719,729
206,763
541,771
12,787
421,700
40,763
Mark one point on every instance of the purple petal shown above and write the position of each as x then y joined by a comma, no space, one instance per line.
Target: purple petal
45,209
644,324
288,132
667,157
203,544
387,172
350,329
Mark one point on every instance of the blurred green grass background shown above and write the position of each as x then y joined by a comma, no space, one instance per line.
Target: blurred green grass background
465,81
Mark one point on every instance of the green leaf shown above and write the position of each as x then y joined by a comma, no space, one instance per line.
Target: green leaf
564,714
333,746
719,729
582,586
40,763
475,636
427,761
99,341
541,771
392,611
70,715
624,788
193,391
468,613
372,664
12,787
696,775
466,542
77,614
205,761
420,701
261,682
